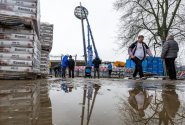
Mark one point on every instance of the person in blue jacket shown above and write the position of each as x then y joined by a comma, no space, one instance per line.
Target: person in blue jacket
64,65
110,69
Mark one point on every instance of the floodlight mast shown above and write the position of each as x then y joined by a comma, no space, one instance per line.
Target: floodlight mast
80,14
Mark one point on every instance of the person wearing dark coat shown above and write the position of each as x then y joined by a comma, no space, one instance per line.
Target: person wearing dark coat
169,54
71,66
96,63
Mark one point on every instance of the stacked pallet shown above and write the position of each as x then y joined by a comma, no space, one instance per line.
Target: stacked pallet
19,103
20,48
46,38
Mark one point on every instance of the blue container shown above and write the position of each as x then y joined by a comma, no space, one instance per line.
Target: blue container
160,70
155,66
149,58
145,64
155,71
128,63
160,67
145,70
132,64
151,65
155,61
150,70
161,73
160,64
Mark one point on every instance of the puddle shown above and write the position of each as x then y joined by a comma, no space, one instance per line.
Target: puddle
92,102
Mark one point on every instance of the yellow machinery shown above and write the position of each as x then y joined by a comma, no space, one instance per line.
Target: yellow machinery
119,64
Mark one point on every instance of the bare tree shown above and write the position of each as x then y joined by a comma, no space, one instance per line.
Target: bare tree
156,18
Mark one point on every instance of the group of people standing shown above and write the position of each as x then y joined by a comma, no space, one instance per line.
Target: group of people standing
139,49
70,64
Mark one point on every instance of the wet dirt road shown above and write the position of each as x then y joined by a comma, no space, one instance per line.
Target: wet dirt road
92,102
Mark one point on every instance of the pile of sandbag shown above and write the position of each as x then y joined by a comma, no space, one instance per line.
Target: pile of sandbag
46,38
20,47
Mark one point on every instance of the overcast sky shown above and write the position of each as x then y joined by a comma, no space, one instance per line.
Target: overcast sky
67,28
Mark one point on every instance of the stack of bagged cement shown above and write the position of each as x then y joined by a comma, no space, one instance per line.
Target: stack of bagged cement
46,38
20,48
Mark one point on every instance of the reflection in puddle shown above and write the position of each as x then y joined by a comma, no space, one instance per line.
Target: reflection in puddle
88,91
152,107
92,102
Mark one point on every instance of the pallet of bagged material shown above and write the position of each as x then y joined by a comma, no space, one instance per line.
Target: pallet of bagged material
44,62
11,62
43,67
18,14
15,8
47,38
46,24
44,55
46,41
44,52
16,69
46,31
15,36
25,3
46,72
37,45
46,48
46,27
43,34
36,63
47,44
6,75
16,56
18,30
16,43
17,50
13,22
